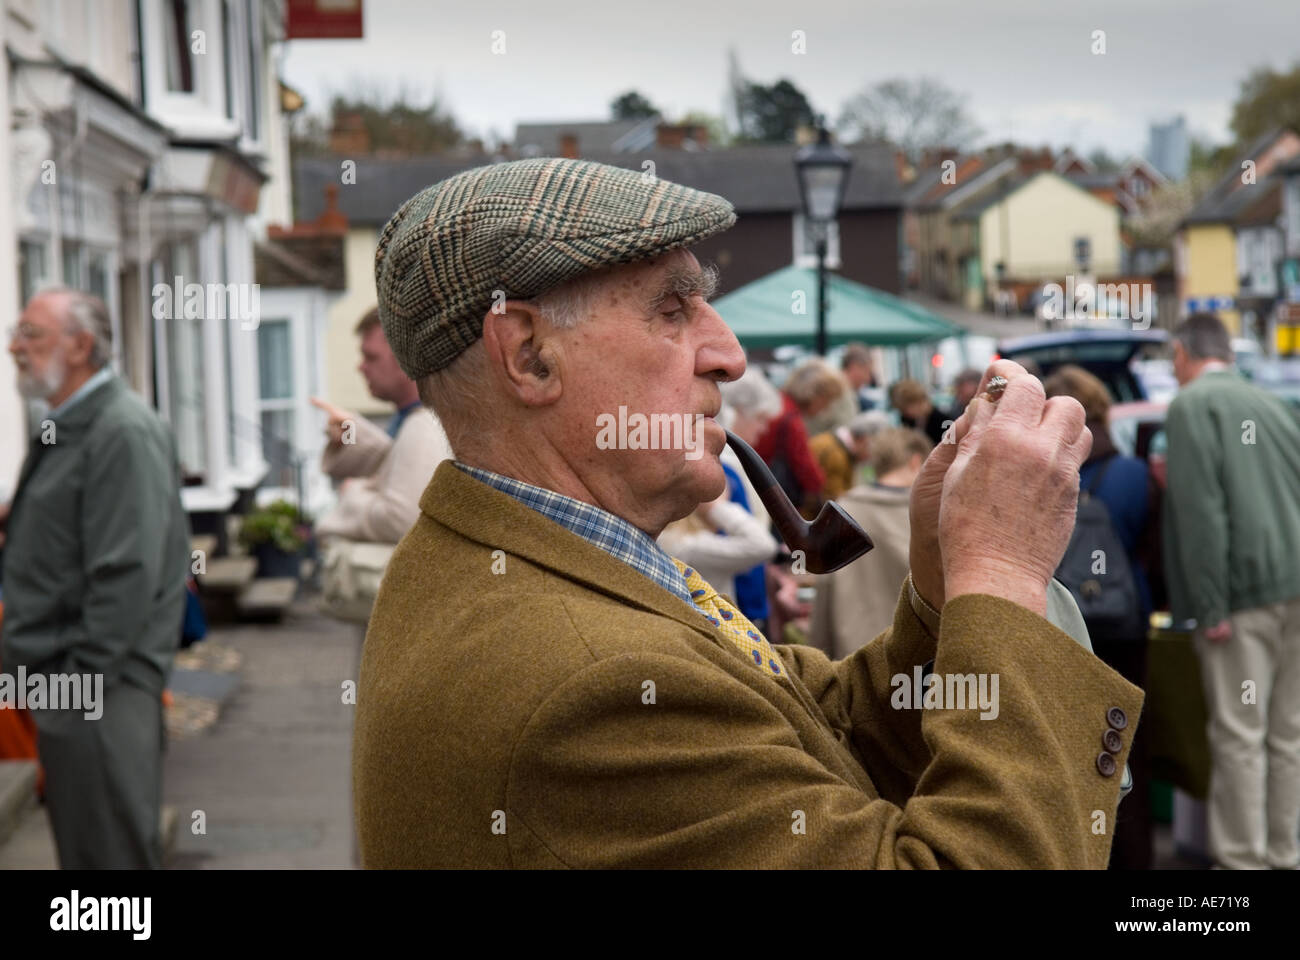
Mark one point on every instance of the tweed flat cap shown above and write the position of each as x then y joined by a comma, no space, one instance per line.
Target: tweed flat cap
523,228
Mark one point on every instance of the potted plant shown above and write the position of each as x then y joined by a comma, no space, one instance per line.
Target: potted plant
276,535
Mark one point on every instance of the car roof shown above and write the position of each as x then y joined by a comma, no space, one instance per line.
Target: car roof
1065,338
1138,409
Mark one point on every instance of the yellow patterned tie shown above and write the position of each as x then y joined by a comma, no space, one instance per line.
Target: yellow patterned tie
733,624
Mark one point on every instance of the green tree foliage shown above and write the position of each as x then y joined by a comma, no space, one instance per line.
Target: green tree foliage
632,106
1102,161
1210,159
718,133
772,114
393,124
1155,224
1267,100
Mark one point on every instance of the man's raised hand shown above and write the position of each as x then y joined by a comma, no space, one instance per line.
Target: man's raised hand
1011,491
338,417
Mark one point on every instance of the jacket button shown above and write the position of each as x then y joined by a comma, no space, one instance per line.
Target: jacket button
1106,764
1117,718
1112,741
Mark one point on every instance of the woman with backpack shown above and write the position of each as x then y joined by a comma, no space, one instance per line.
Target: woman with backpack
1114,590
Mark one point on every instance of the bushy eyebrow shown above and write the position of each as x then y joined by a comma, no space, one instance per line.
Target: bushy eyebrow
685,282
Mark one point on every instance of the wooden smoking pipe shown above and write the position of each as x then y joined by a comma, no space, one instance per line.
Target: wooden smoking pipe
829,542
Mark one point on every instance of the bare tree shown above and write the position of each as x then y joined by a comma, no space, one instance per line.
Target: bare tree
911,114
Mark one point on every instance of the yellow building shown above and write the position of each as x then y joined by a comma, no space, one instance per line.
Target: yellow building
1205,249
1035,228
1205,260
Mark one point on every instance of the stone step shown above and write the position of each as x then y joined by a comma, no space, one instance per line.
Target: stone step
267,596
205,542
17,794
228,574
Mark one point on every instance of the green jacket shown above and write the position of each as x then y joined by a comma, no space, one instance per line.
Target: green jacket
98,546
1232,510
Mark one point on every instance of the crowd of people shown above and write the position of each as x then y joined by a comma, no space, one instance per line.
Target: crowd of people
1228,499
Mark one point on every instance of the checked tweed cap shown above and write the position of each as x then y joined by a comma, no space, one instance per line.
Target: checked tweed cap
523,228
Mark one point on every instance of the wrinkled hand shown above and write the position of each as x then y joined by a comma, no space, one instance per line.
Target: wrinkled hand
1004,495
927,492
337,418
1011,494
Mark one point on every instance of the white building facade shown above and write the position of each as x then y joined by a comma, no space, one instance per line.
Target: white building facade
147,153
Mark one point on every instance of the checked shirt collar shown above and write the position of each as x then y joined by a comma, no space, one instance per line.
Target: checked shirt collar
620,539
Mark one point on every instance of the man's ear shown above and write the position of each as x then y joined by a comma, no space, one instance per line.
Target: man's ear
515,339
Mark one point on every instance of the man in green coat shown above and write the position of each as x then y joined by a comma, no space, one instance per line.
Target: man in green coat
1232,549
95,554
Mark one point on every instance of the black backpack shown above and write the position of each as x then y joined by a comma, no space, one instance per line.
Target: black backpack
1096,570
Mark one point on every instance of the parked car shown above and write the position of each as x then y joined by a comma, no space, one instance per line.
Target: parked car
1113,356
1138,430
1279,376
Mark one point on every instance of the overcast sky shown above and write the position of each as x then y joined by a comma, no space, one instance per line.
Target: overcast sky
1026,66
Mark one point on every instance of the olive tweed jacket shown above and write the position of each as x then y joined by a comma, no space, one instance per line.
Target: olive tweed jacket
548,706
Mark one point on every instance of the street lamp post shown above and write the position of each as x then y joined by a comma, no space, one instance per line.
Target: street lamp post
822,170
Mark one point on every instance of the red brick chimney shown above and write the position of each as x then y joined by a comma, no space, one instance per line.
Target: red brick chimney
349,135
670,136
902,169
674,136
569,145
332,220
933,156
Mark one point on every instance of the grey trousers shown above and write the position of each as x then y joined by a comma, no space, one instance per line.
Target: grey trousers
103,781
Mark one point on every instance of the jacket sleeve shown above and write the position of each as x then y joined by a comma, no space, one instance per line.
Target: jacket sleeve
383,507
712,774
124,533
854,693
1199,511
360,458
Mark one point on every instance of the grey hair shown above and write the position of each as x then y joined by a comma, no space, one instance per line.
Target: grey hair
458,395
869,424
86,313
571,302
1204,337
812,379
752,394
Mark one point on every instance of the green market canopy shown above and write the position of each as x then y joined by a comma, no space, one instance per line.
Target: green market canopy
781,308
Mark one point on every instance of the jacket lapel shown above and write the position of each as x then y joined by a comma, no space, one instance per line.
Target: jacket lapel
485,515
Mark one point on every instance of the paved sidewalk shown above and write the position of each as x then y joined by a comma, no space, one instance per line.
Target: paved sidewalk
272,774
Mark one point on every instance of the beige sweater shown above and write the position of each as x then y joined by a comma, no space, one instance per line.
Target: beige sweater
382,506
856,602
